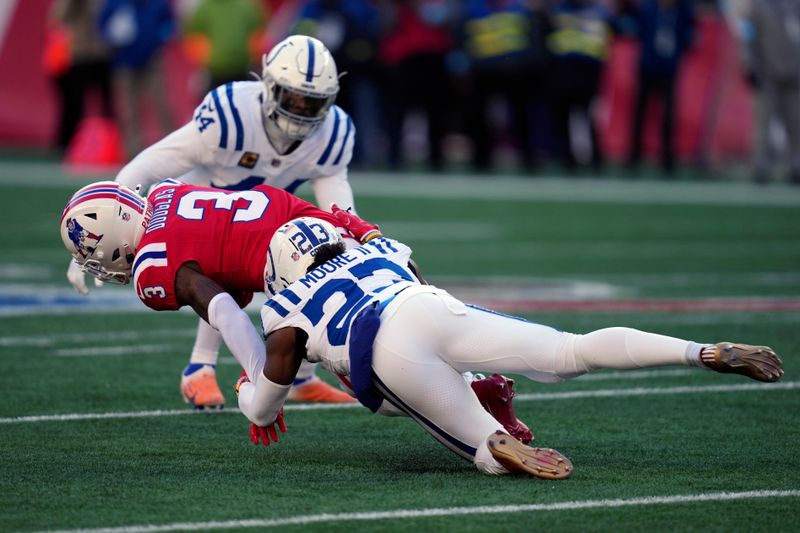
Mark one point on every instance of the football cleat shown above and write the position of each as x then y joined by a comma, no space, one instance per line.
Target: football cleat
495,394
316,390
199,387
545,463
756,362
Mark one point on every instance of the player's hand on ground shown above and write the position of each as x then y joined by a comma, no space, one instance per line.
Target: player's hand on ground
77,278
360,229
268,433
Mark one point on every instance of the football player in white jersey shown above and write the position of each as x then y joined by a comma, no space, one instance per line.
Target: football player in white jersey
282,130
363,313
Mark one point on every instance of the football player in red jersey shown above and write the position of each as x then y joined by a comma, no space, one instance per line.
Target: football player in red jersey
185,245
209,249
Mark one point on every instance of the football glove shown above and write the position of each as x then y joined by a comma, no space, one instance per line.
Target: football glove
267,433
360,229
76,277
242,379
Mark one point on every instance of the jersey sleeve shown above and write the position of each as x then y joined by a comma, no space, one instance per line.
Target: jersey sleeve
154,278
219,121
337,146
334,189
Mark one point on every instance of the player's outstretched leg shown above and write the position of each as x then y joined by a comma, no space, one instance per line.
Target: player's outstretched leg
756,362
495,394
545,463
199,387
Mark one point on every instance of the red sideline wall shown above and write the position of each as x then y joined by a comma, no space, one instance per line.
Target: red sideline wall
714,104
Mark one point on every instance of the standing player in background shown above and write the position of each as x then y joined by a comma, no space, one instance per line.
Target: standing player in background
281,131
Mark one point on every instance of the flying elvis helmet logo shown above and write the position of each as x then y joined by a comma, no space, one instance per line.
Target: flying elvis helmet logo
81,237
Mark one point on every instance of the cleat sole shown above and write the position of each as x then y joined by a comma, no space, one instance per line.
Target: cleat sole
544,463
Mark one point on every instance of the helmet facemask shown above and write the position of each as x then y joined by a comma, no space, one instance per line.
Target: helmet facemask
296,114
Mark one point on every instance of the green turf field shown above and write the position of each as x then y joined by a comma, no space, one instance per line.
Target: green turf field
94,435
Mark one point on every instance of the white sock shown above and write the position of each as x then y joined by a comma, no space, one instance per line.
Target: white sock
305,373
486,463
206,345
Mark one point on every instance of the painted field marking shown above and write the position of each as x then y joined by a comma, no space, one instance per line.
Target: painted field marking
637,374
44,341
126,349
573,505
701,305
569,395
451,187
641,391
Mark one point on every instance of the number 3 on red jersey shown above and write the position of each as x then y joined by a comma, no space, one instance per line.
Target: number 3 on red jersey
258,202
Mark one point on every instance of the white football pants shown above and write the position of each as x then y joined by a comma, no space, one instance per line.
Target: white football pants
428,339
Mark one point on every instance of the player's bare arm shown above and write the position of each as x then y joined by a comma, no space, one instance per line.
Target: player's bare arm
261,400
194,289
223,313
285,351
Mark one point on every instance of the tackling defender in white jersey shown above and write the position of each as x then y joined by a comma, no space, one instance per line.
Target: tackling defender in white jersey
281,131
363,313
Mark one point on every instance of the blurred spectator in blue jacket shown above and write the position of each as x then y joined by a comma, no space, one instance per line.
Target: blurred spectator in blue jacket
580,44
665,29
505,43
137,30
412,51
351,29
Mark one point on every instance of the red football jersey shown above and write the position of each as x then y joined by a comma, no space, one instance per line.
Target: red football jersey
226,232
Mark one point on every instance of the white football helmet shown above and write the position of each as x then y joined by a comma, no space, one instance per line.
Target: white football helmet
301,80
101,226
292,250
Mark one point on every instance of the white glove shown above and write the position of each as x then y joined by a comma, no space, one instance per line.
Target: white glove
76,277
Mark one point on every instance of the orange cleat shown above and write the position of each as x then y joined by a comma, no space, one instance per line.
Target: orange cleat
316,390
199,387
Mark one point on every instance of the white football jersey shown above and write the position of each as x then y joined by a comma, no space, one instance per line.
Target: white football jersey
226,146
324,303
230,124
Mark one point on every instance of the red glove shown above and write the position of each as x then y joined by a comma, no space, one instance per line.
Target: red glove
360,229
242,379
265,433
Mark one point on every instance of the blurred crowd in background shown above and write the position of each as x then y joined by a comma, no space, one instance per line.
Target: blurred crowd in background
481,84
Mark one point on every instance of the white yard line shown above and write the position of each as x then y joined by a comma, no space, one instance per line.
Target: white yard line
43,341
637,374
568,395
483,188
641,391
399,514
127,349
